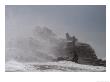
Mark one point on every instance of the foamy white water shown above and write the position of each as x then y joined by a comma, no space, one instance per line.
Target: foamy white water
61,66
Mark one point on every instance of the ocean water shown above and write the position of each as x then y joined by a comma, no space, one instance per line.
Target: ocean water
37,52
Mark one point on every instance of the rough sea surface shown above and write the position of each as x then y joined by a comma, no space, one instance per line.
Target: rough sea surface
61,66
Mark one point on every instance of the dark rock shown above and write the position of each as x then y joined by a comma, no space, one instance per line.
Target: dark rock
81,53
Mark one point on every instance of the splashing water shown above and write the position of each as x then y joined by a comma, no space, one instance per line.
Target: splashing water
40,46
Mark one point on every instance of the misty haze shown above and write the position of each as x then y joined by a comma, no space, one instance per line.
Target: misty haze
55,38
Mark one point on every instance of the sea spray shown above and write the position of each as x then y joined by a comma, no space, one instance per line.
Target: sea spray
43,45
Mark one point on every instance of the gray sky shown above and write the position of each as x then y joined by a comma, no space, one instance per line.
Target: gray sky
87,23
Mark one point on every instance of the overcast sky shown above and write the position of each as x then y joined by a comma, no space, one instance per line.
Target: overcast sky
87,23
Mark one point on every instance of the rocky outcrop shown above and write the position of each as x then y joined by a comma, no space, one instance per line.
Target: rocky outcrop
81,53
86,55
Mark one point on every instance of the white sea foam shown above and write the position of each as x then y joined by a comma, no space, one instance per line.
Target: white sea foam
62,66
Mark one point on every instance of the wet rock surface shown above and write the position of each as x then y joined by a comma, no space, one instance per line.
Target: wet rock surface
81,53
